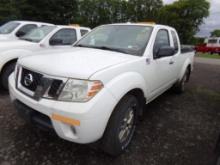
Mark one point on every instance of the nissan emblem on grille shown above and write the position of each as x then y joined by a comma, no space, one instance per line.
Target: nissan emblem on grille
28,79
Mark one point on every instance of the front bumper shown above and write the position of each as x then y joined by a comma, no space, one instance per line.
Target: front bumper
92,116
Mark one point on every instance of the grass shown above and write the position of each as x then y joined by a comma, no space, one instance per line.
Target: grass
208,55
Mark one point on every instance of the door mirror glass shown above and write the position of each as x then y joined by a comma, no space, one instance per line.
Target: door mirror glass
165,51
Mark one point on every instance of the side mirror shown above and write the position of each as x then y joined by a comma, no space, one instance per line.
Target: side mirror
20,34
165,51
54,42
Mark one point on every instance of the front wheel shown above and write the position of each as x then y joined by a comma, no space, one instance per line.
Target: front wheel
8,69
121,126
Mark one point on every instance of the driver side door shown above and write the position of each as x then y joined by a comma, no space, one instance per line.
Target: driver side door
161,66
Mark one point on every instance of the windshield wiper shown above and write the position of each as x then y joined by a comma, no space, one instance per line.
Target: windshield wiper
84,46
111,49
103,48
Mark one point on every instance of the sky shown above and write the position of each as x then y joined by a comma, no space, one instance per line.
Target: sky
210,23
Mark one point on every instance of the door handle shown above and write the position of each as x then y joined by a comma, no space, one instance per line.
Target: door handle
171,62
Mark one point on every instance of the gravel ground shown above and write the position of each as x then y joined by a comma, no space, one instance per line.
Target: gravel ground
176,130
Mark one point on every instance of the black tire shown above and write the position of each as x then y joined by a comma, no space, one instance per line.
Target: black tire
115,139
8,69
179,87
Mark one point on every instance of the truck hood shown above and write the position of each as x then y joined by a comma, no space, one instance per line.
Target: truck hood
14,44
4,37
78,63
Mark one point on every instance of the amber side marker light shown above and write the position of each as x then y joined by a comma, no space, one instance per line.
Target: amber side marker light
74,25
66,120
151,22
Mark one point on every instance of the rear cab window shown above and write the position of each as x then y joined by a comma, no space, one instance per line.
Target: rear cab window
83,32
175,41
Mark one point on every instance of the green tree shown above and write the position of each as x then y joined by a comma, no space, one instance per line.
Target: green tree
8,10
144,10
96,12
54,11
215,33
186,16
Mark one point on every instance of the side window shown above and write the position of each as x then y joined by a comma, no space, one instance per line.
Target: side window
162,39
63,37
25,29
175,41
83,32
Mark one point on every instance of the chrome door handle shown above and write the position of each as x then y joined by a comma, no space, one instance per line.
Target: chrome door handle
171,62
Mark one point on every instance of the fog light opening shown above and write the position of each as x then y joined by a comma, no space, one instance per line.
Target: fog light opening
73,129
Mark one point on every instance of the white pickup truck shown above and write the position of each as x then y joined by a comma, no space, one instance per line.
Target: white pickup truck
97,91
39,39
13,30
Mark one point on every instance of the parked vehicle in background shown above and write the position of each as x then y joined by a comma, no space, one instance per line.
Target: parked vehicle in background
212,46
39,39
99,89
13,30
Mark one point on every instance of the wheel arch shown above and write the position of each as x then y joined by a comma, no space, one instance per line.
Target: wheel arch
8,63
186,65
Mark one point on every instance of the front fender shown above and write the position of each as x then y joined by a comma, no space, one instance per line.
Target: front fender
10,55
122,84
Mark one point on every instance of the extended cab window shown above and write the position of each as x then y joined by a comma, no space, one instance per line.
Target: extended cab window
162,39
83,32
25,29
64,37
175,41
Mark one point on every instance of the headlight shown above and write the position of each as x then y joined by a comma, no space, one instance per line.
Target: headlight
80,90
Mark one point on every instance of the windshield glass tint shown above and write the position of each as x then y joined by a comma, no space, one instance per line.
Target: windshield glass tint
38,34
8,27
212,41
128,39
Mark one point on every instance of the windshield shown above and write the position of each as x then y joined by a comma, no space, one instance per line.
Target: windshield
127,39
8,27
38,34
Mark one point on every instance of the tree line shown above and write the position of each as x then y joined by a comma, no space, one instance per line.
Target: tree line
184,15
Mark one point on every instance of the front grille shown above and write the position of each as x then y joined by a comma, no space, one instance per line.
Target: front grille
38,84
30,79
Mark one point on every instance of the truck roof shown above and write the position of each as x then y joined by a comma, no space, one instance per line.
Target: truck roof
73,27
29,22
143,24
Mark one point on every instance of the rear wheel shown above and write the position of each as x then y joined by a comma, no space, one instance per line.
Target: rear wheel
121,126
179,87
8,69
